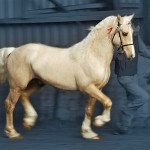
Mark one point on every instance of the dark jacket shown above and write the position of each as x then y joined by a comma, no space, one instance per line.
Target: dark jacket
125,67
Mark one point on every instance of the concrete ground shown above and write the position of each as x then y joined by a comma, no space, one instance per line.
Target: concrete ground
58,135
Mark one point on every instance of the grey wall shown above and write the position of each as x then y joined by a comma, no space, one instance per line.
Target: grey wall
56,34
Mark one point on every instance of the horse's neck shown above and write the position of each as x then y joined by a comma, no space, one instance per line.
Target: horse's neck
100,45
95,45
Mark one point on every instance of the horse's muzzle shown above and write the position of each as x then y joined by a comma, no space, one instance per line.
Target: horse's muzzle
131,57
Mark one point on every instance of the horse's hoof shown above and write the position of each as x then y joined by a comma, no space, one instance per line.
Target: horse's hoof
16,137
29,122
27,127
91,138
90,135
12,134
95,138
98,121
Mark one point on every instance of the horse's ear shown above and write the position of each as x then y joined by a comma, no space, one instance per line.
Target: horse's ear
118,17
131,16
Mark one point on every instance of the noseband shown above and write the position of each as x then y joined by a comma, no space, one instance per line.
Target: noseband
121,43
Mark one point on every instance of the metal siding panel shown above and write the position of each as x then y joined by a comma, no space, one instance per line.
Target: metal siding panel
46,34
2,36
73,33
59,36
62,2
28,5
2,12
45,3
11,36
27,34
49,4
41,33
10,8
56,34
51,35
64,34
35,4
5,8
18,7
5,37
19,35
35,33
73,2
38,4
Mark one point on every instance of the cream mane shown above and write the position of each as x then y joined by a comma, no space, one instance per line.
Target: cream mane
101,29
95,39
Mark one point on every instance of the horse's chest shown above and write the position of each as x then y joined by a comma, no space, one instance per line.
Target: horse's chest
102,76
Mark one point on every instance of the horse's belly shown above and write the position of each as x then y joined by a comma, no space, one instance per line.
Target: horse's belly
55,69
60,77
63,83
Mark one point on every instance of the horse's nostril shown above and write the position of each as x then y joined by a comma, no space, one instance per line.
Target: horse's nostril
131,57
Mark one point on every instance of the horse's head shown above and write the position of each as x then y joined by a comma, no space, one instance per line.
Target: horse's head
123,36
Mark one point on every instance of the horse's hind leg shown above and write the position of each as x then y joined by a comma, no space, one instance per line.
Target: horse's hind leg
86,130
10,103
31,115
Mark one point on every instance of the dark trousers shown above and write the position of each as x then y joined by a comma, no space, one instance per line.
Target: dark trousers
136,96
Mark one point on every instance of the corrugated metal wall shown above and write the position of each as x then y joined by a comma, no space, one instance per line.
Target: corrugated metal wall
57,34
18,8
11,8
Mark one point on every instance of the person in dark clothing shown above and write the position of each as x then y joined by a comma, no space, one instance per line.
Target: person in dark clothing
136,96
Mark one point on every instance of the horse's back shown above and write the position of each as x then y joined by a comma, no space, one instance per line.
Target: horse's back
51,64
4,53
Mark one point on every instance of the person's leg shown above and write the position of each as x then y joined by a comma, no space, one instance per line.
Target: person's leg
136,97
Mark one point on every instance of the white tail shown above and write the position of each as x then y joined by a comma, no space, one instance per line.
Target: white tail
4,53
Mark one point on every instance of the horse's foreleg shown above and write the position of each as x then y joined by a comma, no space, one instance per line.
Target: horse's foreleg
102,119
31,115
86,130
10,103
93,91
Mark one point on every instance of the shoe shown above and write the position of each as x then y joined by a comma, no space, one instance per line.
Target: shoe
120,130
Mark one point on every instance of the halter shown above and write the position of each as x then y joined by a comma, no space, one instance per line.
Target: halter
121,43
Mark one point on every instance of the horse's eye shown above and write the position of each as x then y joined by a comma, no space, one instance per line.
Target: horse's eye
124,33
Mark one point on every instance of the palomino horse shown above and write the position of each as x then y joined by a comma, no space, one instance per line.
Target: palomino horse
84,66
